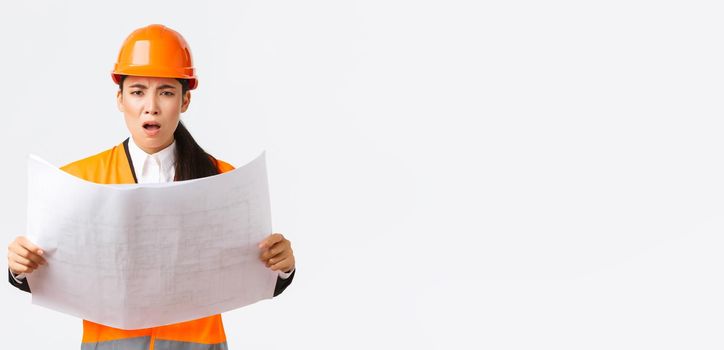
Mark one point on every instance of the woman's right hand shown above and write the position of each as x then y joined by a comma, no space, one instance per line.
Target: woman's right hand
24,256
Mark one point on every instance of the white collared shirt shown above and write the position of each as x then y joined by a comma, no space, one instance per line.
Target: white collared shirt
154,168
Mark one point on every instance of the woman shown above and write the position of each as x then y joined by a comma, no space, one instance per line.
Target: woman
154,74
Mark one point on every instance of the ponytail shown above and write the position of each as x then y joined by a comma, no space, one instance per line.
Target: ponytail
192,162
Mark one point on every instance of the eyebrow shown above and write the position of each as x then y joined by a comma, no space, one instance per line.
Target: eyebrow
141,86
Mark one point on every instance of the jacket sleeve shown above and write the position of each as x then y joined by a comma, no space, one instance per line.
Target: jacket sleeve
282,284
26,287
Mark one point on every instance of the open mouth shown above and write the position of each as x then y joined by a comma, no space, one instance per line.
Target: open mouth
151,126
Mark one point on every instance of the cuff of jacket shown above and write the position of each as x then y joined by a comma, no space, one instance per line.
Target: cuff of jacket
282,284
20,283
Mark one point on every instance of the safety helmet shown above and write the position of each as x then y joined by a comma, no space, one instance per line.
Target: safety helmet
155,51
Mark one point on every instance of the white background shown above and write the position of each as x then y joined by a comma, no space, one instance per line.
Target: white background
452,174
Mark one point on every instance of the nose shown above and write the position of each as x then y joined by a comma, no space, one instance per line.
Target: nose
151,106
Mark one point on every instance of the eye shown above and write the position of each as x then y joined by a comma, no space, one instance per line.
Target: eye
136,92
167,93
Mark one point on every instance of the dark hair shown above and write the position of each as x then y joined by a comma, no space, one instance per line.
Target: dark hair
192,162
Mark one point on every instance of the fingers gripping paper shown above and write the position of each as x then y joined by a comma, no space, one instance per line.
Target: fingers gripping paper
138,256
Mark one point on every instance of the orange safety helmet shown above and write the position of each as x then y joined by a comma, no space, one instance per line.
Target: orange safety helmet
155,51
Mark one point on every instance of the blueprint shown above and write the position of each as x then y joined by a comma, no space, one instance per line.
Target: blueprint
139,256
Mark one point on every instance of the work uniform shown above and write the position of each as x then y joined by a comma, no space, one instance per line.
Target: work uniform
116,166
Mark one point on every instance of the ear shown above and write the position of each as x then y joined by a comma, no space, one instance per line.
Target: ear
185,101
119,100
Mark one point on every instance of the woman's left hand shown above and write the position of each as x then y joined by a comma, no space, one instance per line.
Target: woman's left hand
276,253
